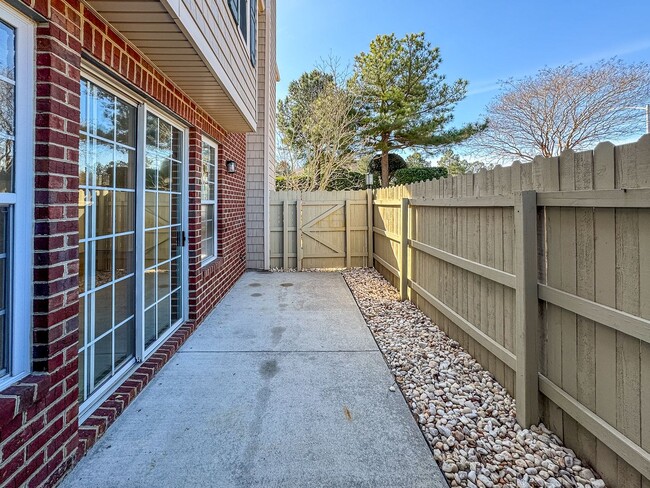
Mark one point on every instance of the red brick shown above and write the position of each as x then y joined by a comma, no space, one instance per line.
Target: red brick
59,44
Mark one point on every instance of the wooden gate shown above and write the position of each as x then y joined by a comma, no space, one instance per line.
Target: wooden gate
320,229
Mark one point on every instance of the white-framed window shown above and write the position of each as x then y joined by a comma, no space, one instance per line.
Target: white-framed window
16,194
209,155
245,14
252,41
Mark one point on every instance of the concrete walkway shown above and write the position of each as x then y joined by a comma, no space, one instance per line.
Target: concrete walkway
282,386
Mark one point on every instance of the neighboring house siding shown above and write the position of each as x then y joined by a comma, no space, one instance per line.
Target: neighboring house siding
40,435
261,145
274,76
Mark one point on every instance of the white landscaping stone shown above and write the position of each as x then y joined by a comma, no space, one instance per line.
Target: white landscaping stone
467,417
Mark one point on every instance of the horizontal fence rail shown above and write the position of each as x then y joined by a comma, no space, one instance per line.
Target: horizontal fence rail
542,272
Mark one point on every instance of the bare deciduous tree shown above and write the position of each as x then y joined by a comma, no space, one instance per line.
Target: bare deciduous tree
329,141
567,107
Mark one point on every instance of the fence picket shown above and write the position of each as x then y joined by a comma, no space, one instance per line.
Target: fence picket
589,254
585,287
299,235
285,234
605,293
568,279
628,386
370,224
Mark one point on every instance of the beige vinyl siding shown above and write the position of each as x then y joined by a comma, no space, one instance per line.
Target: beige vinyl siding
215,22
197,44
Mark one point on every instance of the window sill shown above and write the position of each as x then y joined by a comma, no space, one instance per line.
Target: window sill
21,395
214,263
210,261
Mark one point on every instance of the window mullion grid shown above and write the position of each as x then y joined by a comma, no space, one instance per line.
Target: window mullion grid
7,80
92,274
10,230
157,227
211,181
113,240
141,144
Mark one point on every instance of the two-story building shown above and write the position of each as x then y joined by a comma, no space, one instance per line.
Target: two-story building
136,153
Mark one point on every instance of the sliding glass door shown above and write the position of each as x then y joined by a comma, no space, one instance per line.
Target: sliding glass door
131,238
107,193
163,223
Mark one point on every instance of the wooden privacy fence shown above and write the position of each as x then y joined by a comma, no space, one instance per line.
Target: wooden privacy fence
321,229
542,272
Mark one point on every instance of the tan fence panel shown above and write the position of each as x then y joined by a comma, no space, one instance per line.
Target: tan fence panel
462,255
319,229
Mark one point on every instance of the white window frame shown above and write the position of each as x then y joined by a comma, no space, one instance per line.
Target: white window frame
144,352
98,77
21,201
236,17
252,36
235,7
99,392
215,202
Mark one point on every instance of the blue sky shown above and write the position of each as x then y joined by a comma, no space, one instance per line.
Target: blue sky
482,41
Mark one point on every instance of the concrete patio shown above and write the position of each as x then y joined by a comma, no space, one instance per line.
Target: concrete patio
283,385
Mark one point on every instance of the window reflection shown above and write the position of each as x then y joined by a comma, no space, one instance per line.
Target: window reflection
4,277
107,178
7,106
208,200
163,218
108,183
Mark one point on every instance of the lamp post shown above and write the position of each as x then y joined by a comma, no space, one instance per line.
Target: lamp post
370,179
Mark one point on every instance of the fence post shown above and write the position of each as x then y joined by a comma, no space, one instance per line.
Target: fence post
299,234
411,252
285,235
371,234
348,234
526,385
404,244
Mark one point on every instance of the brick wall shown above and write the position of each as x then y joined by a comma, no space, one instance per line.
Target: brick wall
39,434
208,284
38,416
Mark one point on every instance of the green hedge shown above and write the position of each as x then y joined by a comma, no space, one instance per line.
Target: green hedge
405,176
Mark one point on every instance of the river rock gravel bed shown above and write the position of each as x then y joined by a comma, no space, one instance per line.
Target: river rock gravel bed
466,416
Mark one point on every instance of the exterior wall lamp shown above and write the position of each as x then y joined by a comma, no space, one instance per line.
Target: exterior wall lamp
231,166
